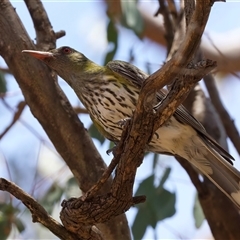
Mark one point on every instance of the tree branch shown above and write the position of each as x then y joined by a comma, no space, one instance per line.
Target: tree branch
39,214
187,48
46,37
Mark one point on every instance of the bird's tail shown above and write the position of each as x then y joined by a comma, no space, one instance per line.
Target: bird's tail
211,164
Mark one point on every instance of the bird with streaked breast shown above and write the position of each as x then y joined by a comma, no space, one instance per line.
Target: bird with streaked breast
110,94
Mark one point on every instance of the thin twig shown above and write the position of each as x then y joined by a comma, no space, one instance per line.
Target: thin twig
80,110
180,90
20,108
96,187
5,70
168,24
173,11
220,54
60,34
228,123
29,127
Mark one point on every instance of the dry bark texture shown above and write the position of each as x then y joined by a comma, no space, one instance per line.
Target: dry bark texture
100,213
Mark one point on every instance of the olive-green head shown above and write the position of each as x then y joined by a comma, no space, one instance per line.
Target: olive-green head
66,61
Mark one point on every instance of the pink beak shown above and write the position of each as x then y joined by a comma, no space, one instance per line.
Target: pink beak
38,54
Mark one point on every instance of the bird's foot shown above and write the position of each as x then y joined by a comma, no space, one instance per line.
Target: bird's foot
111,150
122,123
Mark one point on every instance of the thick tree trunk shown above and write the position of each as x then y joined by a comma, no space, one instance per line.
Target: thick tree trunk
50,106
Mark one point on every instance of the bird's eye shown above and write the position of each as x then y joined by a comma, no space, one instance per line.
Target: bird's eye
66,50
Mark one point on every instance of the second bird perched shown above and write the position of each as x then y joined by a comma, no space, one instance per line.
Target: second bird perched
110,94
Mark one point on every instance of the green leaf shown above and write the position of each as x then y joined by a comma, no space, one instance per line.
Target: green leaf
3,84
94,133
7,218
198,213
165,205
131,17
72,188
155,160
160,205
167,200
112,37
52,196
146,186
111,144
5,224
72,182
140,224
165,176
19,224
112,33
109,56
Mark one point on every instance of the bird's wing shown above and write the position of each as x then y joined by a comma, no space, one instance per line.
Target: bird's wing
128,71
136,77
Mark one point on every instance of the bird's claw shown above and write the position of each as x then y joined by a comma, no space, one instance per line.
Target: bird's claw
111,150
122,123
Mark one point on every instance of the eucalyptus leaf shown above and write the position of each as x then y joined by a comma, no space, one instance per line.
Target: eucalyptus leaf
52,196
198,212
140,224
112,37
165,176
72,188
3,84
94,133
19,224
155,160
7,218
131,17
160,204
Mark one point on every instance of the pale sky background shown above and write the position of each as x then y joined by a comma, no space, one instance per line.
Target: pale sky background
23,151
